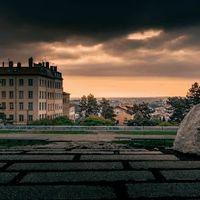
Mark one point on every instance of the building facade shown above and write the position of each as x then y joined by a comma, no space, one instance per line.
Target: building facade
32,92
66,104
122,115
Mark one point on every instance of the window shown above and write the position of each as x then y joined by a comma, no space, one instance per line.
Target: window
21,82
11,94
3,82
21,94
3,105
11,117
30,106
40,106
30,94
30,82
11,82
21,106
30,117
11,105
21,118
3,94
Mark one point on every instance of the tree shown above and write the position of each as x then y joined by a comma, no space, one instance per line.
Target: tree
88,106
142,114
92,106
107,110
2,114
193,94
2,117
179,106
83,106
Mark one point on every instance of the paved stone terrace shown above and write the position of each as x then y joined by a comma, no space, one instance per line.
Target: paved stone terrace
61,173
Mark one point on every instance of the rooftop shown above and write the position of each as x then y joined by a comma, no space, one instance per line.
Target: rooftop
39,69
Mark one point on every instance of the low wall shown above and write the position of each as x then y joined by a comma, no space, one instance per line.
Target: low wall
89,128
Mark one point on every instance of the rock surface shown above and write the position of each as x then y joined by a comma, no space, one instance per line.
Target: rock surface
188,136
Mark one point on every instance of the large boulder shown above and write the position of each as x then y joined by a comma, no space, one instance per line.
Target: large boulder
188,136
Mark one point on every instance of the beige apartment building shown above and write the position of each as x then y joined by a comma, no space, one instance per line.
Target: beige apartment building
31,92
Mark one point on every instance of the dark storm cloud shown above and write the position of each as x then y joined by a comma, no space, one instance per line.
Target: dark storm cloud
177,69
101,19
55,29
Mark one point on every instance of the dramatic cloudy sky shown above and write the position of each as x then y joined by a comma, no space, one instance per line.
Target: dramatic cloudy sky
108,47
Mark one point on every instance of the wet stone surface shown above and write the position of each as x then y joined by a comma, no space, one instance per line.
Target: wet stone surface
60,173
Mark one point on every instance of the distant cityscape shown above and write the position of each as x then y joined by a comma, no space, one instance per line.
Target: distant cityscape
120,104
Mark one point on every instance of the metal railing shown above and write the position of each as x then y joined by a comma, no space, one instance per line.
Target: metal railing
88,128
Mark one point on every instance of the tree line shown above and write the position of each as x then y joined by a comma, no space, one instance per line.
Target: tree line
180,106
177,107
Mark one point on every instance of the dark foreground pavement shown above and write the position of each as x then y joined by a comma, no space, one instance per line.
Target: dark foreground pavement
59,173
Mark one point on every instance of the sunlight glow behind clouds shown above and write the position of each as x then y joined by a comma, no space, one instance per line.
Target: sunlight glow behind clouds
144,35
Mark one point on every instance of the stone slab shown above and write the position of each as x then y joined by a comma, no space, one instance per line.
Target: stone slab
6,177
10,152
181,174
128,157
142,152
67,166
87,176
165,164
2,164
56,192
156,190
36,157
47,152
91,151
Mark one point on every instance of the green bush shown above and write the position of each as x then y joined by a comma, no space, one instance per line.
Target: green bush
62,121
96,121
166,124
56,121
42,122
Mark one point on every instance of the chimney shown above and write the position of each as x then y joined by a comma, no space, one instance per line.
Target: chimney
19,64
30,62
47,65
10,63
55,68
42,64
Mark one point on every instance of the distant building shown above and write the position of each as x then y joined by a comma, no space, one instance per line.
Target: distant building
66,104
160,113
72,112
31,92
122,116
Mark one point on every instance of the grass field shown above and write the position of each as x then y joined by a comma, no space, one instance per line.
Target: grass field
11,131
